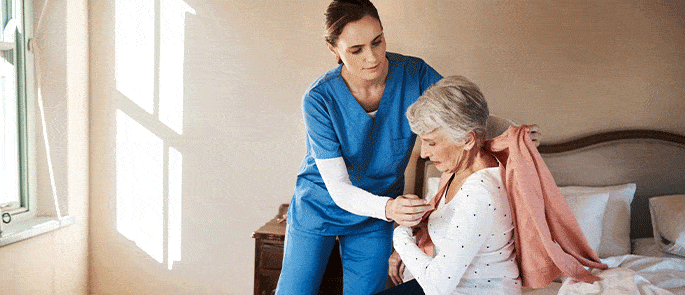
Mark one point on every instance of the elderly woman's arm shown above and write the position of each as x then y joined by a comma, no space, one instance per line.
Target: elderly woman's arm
465,236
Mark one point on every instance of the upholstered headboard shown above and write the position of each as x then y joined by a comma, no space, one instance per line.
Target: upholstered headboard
653,160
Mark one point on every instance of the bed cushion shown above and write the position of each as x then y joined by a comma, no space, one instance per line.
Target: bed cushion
616,223
668,223
589,211
649,247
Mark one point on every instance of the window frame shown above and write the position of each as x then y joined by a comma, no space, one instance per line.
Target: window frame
24,220
26,121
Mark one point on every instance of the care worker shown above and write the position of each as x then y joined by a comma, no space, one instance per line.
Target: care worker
358,143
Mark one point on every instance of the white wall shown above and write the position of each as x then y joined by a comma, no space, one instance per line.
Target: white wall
57,262
235,116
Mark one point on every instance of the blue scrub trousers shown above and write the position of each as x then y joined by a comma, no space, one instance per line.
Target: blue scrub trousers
364,259
409,288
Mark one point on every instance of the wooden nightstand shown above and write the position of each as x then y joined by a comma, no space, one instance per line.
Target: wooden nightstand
269,256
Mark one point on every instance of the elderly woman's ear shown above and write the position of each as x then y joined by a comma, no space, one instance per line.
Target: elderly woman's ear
471,141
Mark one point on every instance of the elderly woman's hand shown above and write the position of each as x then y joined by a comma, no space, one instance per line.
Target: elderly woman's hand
396,268
406,210
535,134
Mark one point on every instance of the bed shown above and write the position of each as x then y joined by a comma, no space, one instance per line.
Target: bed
632,182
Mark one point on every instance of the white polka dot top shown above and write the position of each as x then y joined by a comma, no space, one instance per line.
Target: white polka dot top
474,242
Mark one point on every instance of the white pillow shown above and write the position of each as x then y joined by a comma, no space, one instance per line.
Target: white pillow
589,211
668,223
616,223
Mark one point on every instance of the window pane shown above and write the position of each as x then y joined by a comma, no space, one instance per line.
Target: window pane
9,108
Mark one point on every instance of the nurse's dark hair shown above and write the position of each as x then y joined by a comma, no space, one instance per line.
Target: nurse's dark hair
341,12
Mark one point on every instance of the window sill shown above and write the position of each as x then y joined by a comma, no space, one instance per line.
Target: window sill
23,230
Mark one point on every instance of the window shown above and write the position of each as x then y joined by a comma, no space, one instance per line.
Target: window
18,196
14,97
21,117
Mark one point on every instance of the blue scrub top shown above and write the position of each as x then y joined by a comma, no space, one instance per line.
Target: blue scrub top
375,150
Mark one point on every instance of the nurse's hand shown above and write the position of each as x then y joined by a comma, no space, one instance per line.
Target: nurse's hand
406,210
396,268
535,135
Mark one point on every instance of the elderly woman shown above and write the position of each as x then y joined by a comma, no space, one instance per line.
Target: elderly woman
471,226
472,242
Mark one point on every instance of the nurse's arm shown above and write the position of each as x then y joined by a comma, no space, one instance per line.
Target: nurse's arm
347,196
406,210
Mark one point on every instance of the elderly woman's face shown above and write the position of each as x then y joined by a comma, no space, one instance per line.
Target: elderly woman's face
441,150
361,47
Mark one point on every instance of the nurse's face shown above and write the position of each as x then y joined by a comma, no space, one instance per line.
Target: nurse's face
361,47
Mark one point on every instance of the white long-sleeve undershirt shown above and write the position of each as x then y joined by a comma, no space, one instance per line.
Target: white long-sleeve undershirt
346,195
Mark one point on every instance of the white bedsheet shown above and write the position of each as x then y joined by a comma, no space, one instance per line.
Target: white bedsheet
628,274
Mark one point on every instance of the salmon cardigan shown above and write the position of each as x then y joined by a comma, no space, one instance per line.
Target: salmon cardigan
548,239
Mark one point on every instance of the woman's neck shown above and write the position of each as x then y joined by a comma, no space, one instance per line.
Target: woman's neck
357,83
480,160
368,93
486,159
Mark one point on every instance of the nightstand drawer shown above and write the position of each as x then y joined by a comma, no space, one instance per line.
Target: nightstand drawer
271,256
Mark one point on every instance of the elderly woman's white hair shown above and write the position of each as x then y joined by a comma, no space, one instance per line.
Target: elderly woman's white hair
455,104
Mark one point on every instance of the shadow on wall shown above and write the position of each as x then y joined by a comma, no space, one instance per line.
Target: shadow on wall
149,64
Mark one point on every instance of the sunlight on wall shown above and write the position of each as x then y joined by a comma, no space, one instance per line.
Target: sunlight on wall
141,159
134,50
175,197
140,194
171,63
149,170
